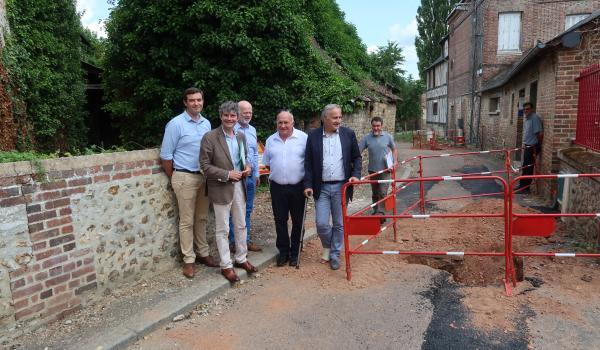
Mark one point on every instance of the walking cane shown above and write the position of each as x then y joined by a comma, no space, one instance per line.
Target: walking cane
301,245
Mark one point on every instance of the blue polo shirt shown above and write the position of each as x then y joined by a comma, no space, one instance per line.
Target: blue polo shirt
181,142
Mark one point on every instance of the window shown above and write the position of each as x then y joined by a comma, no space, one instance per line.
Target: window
494,105
435,109
571,20
509,31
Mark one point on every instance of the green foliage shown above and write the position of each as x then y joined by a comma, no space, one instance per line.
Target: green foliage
408,111
403,136
387,62
42,56
93,47
431,24
257,50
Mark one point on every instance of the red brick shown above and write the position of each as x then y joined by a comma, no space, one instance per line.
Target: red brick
149,163
59,222
33,208
18,305
44,235
85,288
68,247
17,284
157,170
73,190
40,276
69,267
108,167
7,181
49,214
26,291
74,283
80,182
61,239
60,299
54,261
63,202
142,172
57,280
53,185
48,253
95,169
9,192
88,260
91,277
39,246
10,202
82,271
66,229
101,178
29,311
55,271
36,227
46,294
45,196
60,289
121,176
65,211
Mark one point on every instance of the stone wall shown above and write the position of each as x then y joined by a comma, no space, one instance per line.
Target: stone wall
3,22
84,227
582,193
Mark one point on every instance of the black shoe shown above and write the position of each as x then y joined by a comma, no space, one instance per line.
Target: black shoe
293,261
282,260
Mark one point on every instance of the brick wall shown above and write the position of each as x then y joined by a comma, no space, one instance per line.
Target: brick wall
557,95
93,223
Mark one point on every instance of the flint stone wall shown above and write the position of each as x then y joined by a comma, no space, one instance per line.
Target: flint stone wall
81,229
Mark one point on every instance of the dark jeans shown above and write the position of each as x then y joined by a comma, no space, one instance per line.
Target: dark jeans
528,159
379,191
287,200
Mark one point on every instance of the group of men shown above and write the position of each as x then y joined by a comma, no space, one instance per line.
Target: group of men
221,166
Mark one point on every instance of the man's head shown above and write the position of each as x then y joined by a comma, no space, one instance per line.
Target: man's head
229,113
376,125
527,108
331,117
245,113
193,100
285,124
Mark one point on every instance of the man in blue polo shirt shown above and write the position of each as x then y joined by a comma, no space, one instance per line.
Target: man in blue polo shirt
179,156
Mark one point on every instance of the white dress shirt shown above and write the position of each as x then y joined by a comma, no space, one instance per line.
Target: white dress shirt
286,159
333,159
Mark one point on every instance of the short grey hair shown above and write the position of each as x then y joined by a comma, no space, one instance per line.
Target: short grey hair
229,106
329,108
286,111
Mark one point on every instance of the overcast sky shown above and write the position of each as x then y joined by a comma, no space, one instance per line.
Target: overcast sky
377,22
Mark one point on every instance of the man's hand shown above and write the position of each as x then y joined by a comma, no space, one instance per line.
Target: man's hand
247,171
235,175
353,179
308,192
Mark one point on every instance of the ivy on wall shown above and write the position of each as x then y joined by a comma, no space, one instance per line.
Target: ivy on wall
260,51
43,60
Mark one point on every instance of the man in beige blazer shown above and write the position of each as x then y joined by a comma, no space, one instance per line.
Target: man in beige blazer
223,160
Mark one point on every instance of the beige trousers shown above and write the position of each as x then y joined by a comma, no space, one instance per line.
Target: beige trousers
237,208
193,213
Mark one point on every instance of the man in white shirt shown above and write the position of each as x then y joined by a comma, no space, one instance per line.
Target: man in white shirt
284,155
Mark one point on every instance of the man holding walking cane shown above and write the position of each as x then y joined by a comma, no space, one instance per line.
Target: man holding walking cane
284,155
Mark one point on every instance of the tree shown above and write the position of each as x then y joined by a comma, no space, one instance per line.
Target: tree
43,60
431,24
387,64
408,111
260,51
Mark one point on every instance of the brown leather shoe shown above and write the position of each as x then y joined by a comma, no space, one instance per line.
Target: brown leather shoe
188,270
246,266
206,260
253,247
230,275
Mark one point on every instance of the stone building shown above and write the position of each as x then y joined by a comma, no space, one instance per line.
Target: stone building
487,37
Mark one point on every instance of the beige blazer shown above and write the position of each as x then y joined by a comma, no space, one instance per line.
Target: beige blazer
215,162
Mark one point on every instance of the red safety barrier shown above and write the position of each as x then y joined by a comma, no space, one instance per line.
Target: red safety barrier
369,225
539,224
